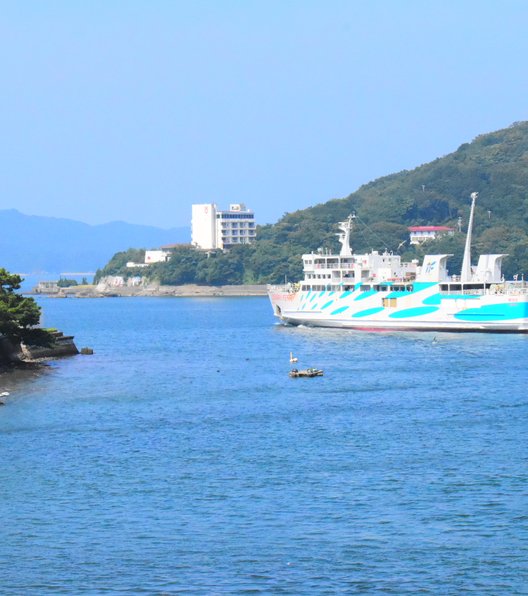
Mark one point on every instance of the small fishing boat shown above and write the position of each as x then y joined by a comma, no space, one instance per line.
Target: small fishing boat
309,372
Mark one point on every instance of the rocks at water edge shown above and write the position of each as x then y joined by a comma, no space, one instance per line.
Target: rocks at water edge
63,345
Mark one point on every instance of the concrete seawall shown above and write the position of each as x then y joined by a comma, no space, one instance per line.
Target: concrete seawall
184,291
63,345
22,357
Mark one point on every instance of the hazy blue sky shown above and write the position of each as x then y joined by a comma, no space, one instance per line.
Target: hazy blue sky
134,110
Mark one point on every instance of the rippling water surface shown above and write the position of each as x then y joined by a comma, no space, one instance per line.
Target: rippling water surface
181,457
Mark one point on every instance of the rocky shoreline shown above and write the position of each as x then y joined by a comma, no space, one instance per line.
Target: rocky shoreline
21,361
183,291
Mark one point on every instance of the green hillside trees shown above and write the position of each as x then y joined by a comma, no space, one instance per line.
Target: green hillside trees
437,193
19,315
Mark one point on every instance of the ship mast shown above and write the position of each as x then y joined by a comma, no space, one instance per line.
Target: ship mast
465,274
344,236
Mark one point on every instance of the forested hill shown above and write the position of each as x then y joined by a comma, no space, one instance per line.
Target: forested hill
437,193
495,165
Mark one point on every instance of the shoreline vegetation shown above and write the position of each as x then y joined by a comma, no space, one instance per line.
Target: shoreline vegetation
154,290
24,344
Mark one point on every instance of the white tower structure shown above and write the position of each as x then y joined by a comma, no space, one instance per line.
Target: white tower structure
466,274
203,220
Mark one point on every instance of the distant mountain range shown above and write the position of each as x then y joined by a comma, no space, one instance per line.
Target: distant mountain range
33,244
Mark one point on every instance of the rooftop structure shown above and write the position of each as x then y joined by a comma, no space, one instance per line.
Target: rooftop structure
419,234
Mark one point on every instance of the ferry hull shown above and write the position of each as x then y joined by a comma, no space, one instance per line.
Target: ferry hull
429,312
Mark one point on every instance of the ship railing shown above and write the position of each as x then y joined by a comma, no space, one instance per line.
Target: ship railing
516,287
510,288
337,266
476,292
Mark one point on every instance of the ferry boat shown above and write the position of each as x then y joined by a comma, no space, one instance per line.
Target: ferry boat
377,291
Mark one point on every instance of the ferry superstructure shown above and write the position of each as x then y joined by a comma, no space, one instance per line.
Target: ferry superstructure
377,291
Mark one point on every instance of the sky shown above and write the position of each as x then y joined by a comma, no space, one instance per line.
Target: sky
134,110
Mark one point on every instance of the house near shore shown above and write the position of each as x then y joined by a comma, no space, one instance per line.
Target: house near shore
156,256
151,257
419,234
47,287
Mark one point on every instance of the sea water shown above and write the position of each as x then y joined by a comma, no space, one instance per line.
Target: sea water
181,458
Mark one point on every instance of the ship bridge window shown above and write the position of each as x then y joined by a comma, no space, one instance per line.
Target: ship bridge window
471,287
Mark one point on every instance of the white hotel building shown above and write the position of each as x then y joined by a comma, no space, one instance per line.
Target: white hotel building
214,229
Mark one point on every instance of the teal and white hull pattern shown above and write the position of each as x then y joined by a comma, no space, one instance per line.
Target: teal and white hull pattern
377,291
423,306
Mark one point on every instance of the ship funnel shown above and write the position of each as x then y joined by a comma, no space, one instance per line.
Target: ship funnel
465,274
